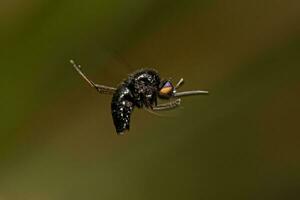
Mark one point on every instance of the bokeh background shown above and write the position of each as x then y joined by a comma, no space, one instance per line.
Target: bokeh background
57,139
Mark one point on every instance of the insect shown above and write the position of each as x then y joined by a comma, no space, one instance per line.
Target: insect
141,89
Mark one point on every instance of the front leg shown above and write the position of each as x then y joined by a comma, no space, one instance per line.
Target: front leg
167,106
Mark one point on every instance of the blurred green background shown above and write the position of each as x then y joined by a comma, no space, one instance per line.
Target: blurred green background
57,139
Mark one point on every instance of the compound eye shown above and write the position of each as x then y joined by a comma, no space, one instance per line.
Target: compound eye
167,89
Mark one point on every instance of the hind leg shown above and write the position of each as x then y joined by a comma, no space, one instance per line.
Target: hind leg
100,88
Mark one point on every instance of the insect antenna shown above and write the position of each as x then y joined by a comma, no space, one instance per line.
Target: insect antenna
190,93
179,84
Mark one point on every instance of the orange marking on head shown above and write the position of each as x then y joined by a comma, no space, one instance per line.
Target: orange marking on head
165,90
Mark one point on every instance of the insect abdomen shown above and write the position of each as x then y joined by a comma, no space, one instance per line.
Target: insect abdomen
121,108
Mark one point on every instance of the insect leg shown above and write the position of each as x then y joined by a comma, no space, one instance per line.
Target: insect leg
167,106
100,88
105,89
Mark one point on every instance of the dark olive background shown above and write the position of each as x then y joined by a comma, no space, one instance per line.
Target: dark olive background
57,140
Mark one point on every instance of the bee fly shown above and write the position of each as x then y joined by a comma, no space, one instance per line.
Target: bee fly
141,89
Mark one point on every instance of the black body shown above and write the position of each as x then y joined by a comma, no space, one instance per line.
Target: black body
141,89
138,90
